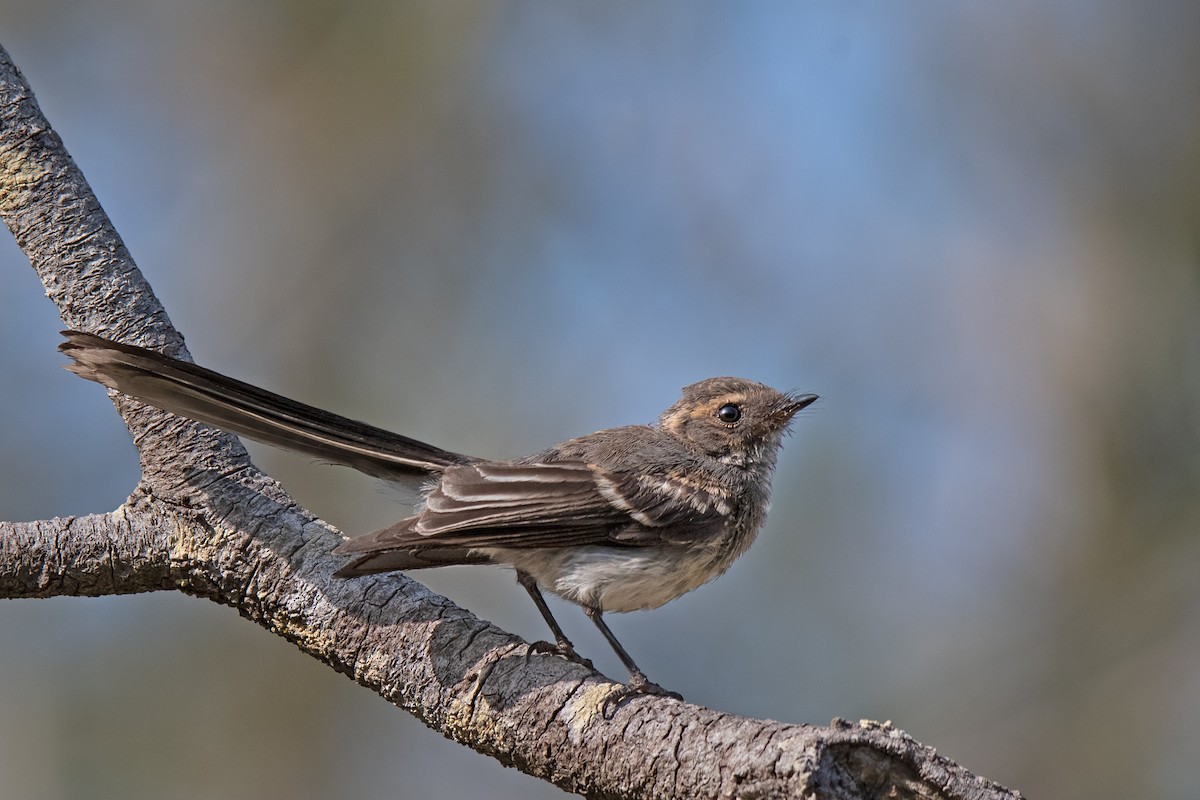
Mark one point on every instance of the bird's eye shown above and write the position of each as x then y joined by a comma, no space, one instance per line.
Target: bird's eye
729,413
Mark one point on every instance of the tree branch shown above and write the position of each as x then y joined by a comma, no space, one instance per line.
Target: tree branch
206,522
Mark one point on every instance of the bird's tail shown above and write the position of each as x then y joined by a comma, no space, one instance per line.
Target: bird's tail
385,551
206,396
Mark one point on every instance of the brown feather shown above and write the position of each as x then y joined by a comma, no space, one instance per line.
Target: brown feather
197,393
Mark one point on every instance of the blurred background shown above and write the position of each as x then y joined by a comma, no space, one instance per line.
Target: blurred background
973,229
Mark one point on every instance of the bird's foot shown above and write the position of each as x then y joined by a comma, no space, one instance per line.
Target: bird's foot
638,685
564,649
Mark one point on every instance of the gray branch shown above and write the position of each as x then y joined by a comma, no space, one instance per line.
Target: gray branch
206,522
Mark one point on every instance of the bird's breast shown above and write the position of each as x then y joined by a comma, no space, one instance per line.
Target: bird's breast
618,578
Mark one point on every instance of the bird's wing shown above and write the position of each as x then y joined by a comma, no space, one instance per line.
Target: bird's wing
556,504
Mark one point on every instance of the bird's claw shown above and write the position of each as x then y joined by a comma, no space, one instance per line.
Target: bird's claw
563,649
638,685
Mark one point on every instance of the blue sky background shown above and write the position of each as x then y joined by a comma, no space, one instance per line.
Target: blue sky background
971,228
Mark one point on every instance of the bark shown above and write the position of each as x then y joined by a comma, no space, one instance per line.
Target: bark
204,521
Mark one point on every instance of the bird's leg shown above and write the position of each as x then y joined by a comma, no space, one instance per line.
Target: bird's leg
638,683
562,645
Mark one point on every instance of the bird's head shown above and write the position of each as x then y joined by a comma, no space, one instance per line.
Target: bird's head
734,419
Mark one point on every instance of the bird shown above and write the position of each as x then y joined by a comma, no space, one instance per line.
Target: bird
623,519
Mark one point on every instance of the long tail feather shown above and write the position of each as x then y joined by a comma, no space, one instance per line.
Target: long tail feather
206,396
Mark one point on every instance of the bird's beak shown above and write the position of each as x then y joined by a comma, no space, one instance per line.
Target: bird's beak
787,410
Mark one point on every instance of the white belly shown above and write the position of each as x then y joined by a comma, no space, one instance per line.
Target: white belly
616,578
